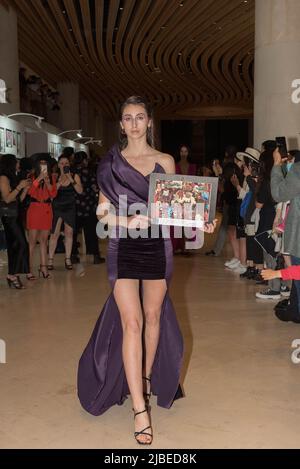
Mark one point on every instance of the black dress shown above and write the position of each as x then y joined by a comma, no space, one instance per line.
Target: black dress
64,206
16,243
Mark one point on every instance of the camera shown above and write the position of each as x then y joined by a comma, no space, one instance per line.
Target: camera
281,144
66,169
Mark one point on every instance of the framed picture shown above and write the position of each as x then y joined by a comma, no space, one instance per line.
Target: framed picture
9,138
14,138
52,149
18,143
181,200
2,140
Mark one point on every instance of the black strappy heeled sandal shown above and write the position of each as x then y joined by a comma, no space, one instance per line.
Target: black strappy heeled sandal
50,265
46,274
142,432
15,283
68,263
147,395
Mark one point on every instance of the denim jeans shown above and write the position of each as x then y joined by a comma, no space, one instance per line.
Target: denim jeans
296,261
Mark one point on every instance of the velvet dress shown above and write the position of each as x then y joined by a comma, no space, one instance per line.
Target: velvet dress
101,376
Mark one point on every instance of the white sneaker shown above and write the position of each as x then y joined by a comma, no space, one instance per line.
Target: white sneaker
233,261
268,295
239,269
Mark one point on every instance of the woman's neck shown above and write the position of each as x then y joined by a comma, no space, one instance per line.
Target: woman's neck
136,148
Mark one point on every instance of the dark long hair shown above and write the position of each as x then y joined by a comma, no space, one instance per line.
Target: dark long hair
266,162
37,158
189,157
8,168
137,100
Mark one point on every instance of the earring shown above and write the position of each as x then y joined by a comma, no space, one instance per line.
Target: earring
123,131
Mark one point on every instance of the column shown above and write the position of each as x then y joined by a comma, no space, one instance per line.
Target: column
69,105
277,66
9,61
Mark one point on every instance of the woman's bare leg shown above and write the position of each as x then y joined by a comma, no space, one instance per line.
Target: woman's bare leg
32,238
54,238
234,241
242,250
68,240
43,250
153,295
126,293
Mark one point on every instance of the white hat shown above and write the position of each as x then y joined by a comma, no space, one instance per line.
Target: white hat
251,153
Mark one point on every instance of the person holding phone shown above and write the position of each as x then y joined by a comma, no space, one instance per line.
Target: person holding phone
64,210
12,193
39,214
286,187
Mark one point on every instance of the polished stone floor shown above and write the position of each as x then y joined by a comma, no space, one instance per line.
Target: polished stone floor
242,389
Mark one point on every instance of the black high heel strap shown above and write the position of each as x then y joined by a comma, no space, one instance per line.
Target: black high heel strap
138,413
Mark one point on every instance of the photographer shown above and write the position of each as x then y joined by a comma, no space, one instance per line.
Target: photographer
250,214
267,205
287,188
12,193
64,210
39,214
86,205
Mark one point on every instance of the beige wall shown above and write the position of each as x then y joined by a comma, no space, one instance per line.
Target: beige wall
9,59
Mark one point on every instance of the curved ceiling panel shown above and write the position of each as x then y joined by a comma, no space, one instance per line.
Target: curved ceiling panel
191,58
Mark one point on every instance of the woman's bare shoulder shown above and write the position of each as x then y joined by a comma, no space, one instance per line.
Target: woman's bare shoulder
166,161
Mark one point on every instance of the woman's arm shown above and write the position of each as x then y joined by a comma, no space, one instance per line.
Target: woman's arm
106,215
77,184
290,273
52,189
168,163
9,195
284,188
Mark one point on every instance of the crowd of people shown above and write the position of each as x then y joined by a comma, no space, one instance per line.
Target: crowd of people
260,197
46,202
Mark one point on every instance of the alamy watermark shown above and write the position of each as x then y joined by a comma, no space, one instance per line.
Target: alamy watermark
295,357
3,91
2,351
295,96
165,216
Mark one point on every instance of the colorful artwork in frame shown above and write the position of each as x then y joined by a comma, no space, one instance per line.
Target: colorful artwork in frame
180,200
2,140
9,138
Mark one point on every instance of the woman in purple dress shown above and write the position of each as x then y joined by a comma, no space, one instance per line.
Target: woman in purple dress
136,346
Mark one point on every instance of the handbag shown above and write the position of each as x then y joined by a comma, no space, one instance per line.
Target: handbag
8,210
245,204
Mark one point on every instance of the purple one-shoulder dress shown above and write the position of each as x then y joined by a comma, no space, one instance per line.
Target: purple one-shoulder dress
101,376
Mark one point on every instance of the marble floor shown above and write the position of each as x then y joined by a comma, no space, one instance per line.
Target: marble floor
241,387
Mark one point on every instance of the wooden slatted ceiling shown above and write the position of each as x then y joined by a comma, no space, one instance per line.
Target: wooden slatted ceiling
191,58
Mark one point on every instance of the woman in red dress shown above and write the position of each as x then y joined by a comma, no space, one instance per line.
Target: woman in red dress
39,214
185,166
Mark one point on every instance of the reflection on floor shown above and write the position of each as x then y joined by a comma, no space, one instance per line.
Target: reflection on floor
242,389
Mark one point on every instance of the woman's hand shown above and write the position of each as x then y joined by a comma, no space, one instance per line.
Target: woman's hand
47,180
247,171
24,184
70,178
278,160
234,180
269,274
210,227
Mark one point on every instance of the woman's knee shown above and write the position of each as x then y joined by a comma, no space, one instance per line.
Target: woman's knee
152,315
133,326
